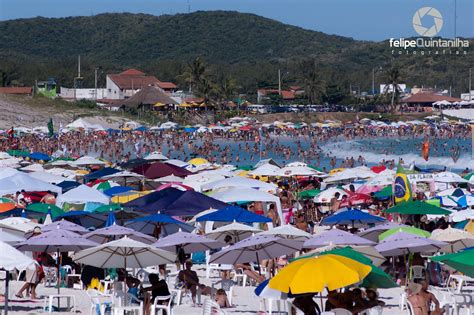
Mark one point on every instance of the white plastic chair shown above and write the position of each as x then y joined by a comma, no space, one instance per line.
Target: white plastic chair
228,286
403,301
240,275
417,272
376,310
98,301
445,298
341,311
211,308
168,307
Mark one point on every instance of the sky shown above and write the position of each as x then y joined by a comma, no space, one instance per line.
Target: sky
359,19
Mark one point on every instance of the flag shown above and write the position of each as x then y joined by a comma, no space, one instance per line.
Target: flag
50,127
425,150
401,186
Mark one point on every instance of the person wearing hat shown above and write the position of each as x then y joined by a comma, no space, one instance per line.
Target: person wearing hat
417,299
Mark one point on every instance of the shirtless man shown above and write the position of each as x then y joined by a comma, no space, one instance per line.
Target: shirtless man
417,299
430,298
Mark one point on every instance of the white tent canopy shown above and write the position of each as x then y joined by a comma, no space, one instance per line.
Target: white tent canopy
265,170
47,177
240,182
22,181
82,194
248,194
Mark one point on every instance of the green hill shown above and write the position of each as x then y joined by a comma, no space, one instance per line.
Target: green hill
247,47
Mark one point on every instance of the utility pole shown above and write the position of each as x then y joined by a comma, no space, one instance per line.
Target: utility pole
373,82
470,82
95,83
279,82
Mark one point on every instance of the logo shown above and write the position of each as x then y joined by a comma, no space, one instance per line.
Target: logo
428,30
400,188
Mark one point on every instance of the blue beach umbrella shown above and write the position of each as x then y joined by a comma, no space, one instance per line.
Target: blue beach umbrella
234,214
167,224
352,217
110,219
39,156
117,190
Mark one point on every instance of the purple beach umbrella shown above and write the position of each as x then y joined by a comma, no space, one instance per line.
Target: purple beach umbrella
402,243
189,242
64,225
374,232
114,231
335,237
256,248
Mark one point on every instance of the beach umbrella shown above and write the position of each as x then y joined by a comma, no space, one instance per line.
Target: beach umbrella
233,214
39,156
83,218
355,199
402,243
158,169
134,163
100,173
326,195
236,231
110,219
416,207
177,185
239,182
457,239
407,229
64,225
104,185
124,253
109,233
46,208
10,238
175,202
124,176
462,261
374,232
265,170
314,274
308,194
384,194
335,237
189,242
352,217
11,258
156,156
377,278
55,240
112,191
263,291
18,225
255,249
165,223
289,232
462,215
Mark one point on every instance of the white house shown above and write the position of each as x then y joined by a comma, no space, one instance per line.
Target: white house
126,84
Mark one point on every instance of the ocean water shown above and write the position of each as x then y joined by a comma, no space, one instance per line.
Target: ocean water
373,150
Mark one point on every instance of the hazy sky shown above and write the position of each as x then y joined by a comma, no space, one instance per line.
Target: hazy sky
360,19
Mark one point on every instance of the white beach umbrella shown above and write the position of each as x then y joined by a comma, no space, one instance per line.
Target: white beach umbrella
238,181
456,238
265,170
156,156
169,179
237,231
124,253
289,232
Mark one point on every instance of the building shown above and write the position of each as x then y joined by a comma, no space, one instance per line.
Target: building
17,90
294,92
83,94
126,84
426,100
149,97
468,96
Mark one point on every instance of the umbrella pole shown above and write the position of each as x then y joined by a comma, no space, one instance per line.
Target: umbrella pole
59,279
7,287
258,262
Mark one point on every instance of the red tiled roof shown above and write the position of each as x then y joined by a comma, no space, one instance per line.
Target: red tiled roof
132,72
288,95
429,98
167,85
16,90
128,82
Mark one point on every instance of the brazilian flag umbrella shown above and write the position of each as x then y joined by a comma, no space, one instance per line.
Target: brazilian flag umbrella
45,208
407,229
462,261
416,207
377,278
308,194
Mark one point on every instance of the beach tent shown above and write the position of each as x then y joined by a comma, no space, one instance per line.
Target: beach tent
248,194
81,195
100,173
22,181
238,181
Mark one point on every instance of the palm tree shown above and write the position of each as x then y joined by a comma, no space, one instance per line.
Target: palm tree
194,73
207,90
393,77
315,87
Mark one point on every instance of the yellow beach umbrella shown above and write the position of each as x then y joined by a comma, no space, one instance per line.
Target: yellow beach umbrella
158,104
336,170
469,227
129,197
198,161
185,105
314,274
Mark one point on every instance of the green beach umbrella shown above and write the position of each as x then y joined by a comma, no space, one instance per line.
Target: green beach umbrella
434,202
44,208
21,153
407,229
307,194
103,186
468,176
416,207
462,261
6,200
386,192
315,168
245,167
107,208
